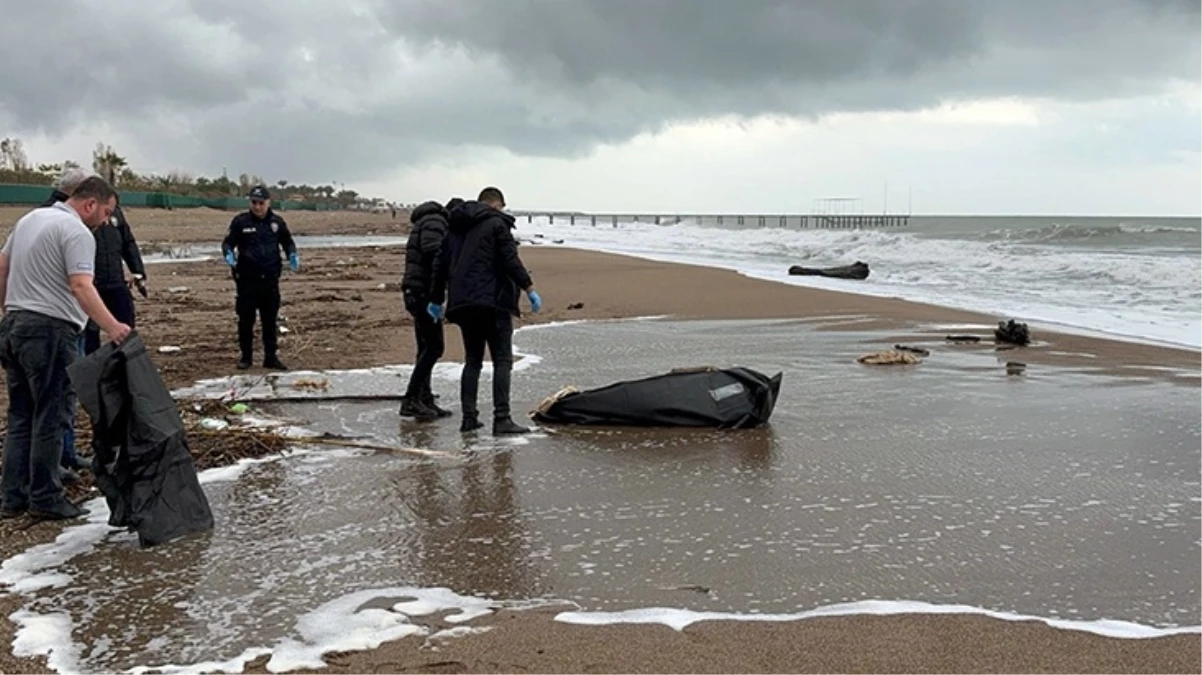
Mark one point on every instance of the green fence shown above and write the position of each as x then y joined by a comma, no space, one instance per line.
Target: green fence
29,195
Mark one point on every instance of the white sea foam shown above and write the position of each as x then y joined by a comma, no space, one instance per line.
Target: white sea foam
343,624
50,634
679,619
1038,275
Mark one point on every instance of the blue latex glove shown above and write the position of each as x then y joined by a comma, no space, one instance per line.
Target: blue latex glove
293,261
536,301
229,259
435,311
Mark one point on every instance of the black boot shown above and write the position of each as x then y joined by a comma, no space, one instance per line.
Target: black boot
428,401
415,408
470,423
274,363
244,362
505,426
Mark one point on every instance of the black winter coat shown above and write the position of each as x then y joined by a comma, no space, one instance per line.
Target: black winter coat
258,244
426,233
478,266
115,245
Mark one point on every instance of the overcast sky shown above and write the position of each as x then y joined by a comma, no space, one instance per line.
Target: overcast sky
963,106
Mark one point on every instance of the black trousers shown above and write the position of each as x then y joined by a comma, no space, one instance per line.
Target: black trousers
430,347
120,302
35,351
257,296
492,329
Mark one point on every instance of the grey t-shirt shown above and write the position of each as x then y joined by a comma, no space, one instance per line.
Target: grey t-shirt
45,247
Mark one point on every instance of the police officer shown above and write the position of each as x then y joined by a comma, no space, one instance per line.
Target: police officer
252,250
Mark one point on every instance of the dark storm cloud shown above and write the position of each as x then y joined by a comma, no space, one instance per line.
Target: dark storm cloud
317,90
833,53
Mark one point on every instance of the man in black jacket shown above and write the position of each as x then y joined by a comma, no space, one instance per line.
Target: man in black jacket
116,247
427,230
252,249
479,273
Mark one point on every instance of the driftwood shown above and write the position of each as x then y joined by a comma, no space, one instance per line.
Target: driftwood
857,270
964,338
890,358
1012,332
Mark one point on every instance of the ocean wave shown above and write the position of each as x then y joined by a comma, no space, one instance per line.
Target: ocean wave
1151,291
1131,234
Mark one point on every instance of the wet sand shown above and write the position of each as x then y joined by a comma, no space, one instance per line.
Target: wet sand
332,307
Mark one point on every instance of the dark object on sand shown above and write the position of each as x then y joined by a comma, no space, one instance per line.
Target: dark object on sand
141,461
1015,368
732,398
964,338
914,350
856,270
576,305
1012,332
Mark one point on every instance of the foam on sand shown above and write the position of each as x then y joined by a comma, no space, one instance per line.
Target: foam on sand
50,634
347,624
680,619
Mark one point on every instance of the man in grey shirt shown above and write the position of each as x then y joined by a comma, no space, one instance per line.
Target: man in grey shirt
46,268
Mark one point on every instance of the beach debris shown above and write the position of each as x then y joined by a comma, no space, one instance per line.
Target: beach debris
282,330
1012,332
310,384
169,349
239,408
576,305
962,339
177,289
1015,368
213,424
856,270
890,357
696,588
913,350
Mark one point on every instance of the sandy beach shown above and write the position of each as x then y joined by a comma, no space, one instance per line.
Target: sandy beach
342,310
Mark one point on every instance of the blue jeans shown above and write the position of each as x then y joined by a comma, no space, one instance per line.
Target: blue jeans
69,457
35,351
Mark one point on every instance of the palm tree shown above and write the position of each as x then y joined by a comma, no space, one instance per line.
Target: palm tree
107,163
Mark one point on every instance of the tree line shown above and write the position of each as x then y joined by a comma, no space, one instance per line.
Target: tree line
15,167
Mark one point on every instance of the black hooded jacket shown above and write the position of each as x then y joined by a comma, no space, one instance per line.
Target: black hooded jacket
115,244
428,228
258,242
478,266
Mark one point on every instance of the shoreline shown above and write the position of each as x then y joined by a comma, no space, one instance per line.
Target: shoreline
348,296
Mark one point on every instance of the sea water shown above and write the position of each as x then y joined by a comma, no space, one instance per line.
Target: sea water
1132,278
